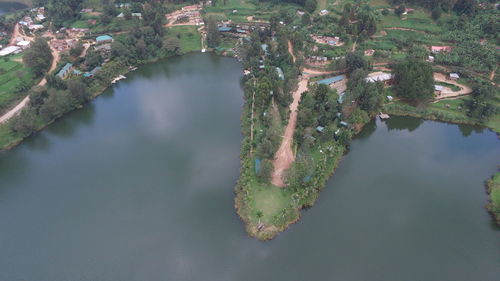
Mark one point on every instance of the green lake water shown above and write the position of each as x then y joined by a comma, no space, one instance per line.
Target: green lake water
138,186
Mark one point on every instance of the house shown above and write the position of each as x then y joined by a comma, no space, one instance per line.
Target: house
103,48
264,48
23,44
35,26
320,129
369,52
300,13
454,76
40,17
65,71
324,12
225,29
92,72
280,73
437,49
380,76
137,15
390,98
104,39
86,10
9,50
430,58
438,89
332,80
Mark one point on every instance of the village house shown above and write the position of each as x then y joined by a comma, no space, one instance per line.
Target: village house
387,78
104,39
438,89
65,71
430,59
9,50
300,13
23,44
324,12
437,49
369,52
327,40
454,76
332,80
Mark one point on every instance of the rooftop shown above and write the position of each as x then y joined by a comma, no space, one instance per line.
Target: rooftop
331,80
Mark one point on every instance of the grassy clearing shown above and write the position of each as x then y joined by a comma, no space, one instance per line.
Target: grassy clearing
418,20
12,74
446,111
190,38
270,200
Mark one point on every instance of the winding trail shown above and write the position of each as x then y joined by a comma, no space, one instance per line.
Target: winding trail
284,157
464,90
17,109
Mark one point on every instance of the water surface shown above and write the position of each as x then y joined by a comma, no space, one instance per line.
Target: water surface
7,7
139,186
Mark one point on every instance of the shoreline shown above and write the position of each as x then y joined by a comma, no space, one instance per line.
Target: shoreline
18,141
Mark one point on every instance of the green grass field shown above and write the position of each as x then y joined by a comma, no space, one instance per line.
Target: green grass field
190,38
11,74
270,200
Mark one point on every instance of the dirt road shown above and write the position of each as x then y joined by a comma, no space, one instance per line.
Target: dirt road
14,111
284,157
448,93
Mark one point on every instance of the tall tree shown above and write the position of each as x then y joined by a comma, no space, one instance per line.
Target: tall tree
213,35
38,57
414,80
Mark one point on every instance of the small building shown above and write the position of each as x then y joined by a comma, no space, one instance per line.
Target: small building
430,58
104,39
390,98
438,49
280,73
23,44
65,71
225,29
438,89
92,72
387,78
264,48
9,50
369,52
320,129
323,12
332,80
454,76
40,17
300,13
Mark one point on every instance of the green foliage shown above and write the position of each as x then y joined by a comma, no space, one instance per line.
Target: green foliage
311,5
25,123
213,35
480,105
76,50
414,80
38,57
493,186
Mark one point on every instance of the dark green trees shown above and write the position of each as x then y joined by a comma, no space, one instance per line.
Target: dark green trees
414,80
213,36
38,57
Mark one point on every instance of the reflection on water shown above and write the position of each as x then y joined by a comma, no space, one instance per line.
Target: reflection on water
403,123
7,7
139,186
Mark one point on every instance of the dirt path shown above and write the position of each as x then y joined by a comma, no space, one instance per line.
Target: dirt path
284,157
15,34
14,111
406,29
464,90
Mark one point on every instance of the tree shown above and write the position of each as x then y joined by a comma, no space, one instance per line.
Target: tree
400,10
355,60
38,57
78,91
265,171
414,80
93,59
213,35
310,5
436,13
172,44
76,50
25,122
479,106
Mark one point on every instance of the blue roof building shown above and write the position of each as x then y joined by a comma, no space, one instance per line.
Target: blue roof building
92,72
64,72
264,48
103,39
225,29
332,80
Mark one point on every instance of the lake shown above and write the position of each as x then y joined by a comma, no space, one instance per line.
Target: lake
7,7
138,185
